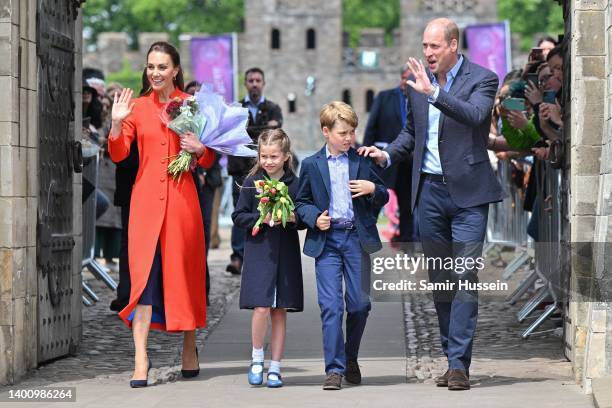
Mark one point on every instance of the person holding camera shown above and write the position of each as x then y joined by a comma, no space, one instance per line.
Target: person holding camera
263,114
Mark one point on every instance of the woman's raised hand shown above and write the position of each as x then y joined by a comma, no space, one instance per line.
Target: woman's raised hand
122,105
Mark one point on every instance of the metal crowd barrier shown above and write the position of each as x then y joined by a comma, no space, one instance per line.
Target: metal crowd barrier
547,248
90,179
507,224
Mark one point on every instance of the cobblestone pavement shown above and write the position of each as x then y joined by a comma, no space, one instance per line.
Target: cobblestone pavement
500,355
107,347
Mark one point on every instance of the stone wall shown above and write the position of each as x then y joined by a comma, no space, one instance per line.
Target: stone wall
591,186
18,188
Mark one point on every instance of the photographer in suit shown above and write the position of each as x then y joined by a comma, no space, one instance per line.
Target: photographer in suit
387,118
263,114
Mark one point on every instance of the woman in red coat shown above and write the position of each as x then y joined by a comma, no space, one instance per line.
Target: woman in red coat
166,234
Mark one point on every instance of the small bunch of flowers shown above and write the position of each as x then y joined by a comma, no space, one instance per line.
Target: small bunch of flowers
182,116
274,200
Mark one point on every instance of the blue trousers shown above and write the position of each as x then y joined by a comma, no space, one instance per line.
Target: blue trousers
342,257
447,231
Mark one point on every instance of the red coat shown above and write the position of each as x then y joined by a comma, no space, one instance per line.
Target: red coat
167,211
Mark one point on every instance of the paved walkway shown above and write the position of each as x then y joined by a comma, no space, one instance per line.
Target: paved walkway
399,357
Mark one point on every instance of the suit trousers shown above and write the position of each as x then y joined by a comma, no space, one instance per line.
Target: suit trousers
342,257
449,232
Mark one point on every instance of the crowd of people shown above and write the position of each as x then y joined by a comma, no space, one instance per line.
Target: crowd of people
426,142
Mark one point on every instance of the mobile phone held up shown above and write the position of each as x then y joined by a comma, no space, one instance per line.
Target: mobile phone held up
549,97
517,104
536,54
533,78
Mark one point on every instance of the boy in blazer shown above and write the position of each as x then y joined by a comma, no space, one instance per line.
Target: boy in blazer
339,197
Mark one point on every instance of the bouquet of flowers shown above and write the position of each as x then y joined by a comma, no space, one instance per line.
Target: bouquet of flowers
274,200
182,116
218,126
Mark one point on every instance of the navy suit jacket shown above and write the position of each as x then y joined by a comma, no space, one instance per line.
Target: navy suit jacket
314,194
384,124
464,125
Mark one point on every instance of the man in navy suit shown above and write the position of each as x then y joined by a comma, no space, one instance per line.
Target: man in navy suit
386,120
452,180
339,198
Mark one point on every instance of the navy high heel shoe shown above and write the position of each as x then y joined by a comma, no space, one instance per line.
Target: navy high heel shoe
142,383
192,373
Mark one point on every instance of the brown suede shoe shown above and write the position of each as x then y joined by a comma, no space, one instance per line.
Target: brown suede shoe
442,381
333,381
352,374
458,380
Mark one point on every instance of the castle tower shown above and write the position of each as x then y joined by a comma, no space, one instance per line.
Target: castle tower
292,40
416,14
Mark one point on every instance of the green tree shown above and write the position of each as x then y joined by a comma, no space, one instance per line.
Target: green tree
360,14
172,16
529,18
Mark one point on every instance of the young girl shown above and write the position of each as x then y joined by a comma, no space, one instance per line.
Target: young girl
271,283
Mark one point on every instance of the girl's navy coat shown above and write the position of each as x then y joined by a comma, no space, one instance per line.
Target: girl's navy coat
272,261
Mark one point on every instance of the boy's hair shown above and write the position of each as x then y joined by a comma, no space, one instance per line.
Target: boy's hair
336,110
270,137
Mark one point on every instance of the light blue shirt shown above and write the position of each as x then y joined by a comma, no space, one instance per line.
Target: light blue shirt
431,156
253,107
340,202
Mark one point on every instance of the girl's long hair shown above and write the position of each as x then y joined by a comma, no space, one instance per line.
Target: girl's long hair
274,137
166,48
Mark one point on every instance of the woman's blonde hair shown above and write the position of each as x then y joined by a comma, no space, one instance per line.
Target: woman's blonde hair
274,137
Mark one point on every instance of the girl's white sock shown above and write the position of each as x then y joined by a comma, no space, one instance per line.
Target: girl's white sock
274,367
257,355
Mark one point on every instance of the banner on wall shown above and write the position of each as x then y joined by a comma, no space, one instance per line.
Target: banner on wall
214,61
488,45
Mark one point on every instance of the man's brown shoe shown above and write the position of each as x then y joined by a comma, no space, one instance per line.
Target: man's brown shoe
458,380
352,374
333,381
442,381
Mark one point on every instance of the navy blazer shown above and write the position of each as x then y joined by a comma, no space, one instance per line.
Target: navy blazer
313,198
465,121
384,124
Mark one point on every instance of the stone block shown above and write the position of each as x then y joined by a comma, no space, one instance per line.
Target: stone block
19,273
6,272
7,49
6,353
9,97
595,355
604,203
598,318
583,228
146,39
6,225
589,121
20,225
6,310
29,65
596,5
9,133
77,209
19,336
585,193
586,160
27,22
112,47
372,37
6,10
590,33
594,67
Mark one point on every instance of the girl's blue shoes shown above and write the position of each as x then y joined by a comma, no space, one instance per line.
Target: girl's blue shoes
256,373
274,380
